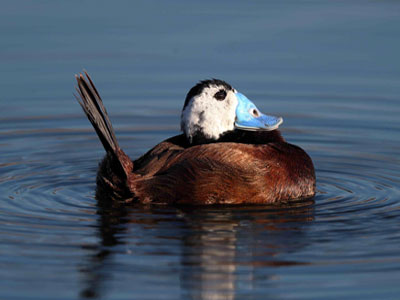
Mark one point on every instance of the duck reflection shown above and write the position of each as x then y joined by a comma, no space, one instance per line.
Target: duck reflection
208,257
224,250
113,217
226,246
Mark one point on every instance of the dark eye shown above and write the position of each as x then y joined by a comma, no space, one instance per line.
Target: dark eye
220,95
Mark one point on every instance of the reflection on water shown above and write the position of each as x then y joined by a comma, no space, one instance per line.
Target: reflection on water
223,248
218,248
94,269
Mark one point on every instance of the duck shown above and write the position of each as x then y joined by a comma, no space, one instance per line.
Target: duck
229,153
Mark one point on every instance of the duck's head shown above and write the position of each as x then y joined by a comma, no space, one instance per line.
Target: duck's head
213,108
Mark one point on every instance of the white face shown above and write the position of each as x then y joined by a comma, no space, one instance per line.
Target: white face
210,113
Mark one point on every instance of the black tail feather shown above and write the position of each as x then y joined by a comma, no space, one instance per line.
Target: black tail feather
91,103
115,170
94,109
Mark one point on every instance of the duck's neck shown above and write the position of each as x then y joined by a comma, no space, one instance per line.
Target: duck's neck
252,137
243,137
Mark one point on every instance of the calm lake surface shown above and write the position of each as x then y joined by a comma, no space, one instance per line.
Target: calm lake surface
331,69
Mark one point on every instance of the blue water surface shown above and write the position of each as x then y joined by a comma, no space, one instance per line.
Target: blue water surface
331,69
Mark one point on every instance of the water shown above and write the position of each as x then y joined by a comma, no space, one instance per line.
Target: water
330,68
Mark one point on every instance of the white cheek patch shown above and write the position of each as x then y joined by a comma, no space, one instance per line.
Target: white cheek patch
209,116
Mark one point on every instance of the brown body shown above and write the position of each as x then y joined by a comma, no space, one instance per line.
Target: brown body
242,167
267,171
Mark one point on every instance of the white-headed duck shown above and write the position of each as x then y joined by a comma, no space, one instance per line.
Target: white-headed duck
229,153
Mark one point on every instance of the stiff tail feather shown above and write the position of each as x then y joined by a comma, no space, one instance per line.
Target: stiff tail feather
95,111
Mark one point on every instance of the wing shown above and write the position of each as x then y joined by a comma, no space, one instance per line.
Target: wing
159,156
208,174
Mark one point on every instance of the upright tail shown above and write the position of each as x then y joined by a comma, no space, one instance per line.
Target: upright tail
95,111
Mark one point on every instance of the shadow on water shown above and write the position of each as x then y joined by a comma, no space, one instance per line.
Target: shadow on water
218,246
